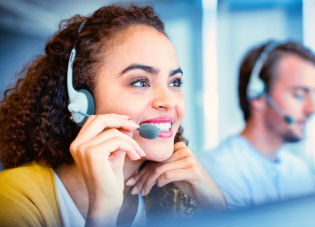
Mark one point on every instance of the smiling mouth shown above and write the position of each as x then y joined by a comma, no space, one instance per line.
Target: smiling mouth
162,126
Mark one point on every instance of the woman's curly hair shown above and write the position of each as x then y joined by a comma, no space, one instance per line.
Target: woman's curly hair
34,118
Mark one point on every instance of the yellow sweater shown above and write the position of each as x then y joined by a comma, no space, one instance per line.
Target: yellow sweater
28,197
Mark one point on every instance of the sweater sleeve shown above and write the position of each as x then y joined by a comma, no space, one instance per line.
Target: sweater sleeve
14,214
27,197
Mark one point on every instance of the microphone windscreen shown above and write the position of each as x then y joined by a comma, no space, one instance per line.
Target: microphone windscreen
148,131
290,120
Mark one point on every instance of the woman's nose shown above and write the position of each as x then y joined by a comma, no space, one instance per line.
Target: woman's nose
163,99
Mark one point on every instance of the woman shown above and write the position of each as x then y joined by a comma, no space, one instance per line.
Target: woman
125,60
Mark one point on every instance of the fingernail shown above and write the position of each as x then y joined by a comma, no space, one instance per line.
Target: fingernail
124,116
142,192
134,123
130,181
134,190
142,153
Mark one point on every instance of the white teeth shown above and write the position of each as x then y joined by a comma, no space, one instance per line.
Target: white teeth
164,126
161,126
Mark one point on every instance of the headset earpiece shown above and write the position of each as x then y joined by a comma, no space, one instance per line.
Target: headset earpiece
90,105
256,86
82,100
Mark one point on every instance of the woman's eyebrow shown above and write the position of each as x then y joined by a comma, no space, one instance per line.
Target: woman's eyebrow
146,68
174,72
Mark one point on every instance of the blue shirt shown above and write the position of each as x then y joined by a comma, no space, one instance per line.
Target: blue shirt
247,178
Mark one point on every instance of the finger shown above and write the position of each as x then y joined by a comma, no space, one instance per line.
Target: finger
101,122
179,145
119,116
90,118
175,175
139,183
110,134
140,178
91,153
135,177
117,160
117,157
180,151
119,144
88,121
151,180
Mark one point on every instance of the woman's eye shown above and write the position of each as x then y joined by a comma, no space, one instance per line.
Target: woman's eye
141,83
176,83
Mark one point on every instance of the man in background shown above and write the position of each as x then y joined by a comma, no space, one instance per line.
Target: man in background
276,93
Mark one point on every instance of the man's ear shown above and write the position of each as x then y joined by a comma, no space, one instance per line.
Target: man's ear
258,104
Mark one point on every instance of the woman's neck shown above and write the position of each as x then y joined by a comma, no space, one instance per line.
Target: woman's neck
73,181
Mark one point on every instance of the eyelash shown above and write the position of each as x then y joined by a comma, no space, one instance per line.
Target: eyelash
142,80
179,82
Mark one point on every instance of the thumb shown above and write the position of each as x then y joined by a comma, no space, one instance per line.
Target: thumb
179,145
117,160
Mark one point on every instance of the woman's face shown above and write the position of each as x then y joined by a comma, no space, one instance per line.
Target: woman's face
141,79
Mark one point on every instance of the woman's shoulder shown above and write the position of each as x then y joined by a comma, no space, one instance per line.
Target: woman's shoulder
28,194
24,176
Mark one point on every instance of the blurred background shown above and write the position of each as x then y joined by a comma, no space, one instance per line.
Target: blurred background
210,37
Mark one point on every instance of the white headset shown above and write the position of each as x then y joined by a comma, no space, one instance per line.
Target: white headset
81,102
256,86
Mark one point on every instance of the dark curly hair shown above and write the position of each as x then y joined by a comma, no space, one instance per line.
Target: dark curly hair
34,117
268,69
35,124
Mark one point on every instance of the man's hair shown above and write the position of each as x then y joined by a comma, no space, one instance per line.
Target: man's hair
268,69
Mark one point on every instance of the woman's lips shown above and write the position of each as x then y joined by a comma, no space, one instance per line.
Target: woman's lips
161,123
166,134
159,120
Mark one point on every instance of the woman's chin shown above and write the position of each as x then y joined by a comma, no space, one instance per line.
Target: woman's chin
159,155
157,150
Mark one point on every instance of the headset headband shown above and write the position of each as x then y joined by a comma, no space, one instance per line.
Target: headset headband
81,102
256,86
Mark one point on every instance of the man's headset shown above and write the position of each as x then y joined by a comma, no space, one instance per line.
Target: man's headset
256,86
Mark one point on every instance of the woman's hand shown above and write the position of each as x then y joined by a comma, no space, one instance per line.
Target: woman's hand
186,172
99,152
